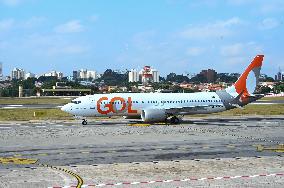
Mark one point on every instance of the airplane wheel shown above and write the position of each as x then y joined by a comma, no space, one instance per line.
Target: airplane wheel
175,120
84,122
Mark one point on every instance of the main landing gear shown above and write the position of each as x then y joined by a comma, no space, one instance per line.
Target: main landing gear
84,122
175,120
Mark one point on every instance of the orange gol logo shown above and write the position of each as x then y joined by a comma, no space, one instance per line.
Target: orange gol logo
111,108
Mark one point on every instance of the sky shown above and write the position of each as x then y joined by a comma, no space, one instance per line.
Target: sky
181,36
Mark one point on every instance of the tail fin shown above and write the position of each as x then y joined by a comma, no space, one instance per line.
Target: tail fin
247,82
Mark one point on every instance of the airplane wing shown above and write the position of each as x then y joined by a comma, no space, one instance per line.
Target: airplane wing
178,110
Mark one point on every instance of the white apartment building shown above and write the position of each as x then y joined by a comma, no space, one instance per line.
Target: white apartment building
155,75
54,73
146,75
18,74
85,74
133,76
91,75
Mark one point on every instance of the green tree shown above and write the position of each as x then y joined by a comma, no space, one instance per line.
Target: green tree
173,77
265,89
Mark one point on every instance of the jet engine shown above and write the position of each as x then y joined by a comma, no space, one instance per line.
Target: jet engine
153,115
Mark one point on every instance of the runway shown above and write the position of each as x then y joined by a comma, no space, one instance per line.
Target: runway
111,151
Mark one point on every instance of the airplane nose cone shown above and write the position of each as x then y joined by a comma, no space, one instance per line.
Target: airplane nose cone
65,108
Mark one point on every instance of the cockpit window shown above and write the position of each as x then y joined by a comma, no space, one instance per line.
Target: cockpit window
76,102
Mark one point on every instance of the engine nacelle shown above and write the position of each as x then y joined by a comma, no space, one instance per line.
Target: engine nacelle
153,115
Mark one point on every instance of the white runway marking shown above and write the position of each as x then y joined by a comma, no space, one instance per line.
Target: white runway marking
264,103
58,125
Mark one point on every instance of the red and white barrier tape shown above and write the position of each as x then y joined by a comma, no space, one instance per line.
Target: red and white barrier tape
176,180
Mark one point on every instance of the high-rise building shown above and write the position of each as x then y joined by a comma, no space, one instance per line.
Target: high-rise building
146,75
18,74
91,75
60,75
75,75
209,74
85,74
155,75
133,76
279,76
1,71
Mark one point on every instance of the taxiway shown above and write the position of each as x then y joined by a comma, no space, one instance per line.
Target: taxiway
214,150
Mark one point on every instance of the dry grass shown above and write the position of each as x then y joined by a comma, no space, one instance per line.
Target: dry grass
28,114
256,109
272,99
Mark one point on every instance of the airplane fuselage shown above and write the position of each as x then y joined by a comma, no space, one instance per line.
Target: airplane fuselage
132,104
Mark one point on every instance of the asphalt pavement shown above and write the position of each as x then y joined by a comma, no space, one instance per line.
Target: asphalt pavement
110,150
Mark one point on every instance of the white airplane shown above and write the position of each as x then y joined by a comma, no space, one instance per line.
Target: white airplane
158,107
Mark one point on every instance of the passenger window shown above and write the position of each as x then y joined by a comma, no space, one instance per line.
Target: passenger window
76,102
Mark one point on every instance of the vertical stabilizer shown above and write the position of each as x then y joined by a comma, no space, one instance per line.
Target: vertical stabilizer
247,82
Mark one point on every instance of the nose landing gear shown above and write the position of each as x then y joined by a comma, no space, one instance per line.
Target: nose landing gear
84,122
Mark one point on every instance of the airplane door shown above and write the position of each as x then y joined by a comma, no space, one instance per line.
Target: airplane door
157,104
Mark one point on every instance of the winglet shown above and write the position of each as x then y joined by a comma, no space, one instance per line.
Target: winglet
247,83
